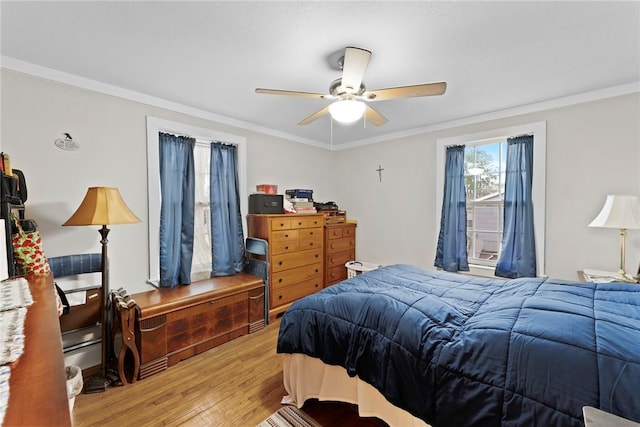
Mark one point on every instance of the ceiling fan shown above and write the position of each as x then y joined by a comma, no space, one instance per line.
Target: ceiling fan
351,95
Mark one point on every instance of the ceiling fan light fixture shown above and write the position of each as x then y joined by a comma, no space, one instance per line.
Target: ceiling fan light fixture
347,110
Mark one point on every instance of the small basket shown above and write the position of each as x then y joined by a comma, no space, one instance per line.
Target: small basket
355,268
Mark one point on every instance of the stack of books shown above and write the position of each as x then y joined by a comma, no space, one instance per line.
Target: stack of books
303,205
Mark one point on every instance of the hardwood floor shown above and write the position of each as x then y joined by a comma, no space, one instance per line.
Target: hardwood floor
236,384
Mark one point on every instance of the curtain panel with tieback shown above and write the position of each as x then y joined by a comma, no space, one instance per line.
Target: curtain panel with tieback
177,180
451,253
227,236
518,251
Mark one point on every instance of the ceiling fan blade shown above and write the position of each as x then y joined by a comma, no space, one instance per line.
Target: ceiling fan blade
353,67
427,89
374,117
294,93
314,116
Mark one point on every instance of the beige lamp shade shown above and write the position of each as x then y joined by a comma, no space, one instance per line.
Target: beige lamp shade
619,212
102,206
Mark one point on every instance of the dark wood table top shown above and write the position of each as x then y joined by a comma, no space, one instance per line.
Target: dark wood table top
38,384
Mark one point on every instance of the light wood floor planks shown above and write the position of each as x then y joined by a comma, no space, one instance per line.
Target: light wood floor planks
236,384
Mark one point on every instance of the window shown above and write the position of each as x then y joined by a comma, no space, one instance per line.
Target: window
202,243
485,166
201,264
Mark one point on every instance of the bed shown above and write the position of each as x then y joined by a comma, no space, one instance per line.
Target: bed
442,349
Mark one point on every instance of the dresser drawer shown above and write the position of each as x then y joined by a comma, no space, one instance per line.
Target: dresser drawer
296,259
342,244
280,224
340,258
310,238
286,278
309,222
284,247
297,291
334,232
336,274
348,231
285,235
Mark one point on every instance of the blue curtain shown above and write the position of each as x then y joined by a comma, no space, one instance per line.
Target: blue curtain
227,237
518,255
177,180
451,254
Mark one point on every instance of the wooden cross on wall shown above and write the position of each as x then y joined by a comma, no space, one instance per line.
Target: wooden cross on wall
379,170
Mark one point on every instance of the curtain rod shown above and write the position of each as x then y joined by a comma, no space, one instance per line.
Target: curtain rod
493,138
197,138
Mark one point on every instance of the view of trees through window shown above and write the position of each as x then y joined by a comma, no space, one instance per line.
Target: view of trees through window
484,182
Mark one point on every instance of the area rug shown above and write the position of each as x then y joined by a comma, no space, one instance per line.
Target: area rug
289,416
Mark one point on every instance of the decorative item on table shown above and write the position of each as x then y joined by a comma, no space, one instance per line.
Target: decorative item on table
266,189
623,213
28,253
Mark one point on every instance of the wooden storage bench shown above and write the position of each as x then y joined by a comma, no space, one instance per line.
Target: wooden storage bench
177,323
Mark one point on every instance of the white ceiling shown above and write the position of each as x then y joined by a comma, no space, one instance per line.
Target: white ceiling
212,55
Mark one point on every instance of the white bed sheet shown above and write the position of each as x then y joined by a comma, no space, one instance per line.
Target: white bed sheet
308,377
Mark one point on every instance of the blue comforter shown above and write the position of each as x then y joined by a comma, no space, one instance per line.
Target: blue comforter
460,351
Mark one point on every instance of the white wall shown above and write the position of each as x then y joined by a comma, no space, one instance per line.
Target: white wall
112,135
593,149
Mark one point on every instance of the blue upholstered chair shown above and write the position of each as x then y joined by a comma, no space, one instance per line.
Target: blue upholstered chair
71,265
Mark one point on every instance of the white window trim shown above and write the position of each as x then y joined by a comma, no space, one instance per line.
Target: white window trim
156,125
539,131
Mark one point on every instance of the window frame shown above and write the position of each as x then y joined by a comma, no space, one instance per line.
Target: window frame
156,125
539,132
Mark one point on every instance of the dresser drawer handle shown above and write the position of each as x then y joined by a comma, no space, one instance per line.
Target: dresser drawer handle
286,248
316,255
280,280
311,234
316,270
280,263
310,243
258,296
316,285
299,222
279,296
286,235
282,224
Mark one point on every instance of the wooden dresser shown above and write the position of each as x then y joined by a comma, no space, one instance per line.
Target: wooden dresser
295,256
177,323
339,248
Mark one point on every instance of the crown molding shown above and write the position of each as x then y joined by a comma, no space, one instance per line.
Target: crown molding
19,66
23,67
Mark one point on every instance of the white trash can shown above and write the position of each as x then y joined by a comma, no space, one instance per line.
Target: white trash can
74,383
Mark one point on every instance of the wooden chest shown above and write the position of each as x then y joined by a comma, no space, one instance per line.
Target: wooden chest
295,256
339,248
177,323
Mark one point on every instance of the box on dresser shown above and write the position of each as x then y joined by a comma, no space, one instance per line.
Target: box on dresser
265,203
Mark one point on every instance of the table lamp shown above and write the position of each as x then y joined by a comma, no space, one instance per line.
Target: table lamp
102,206
623,213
